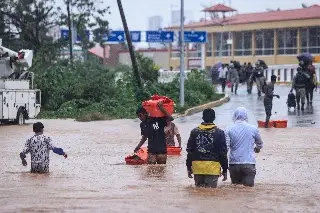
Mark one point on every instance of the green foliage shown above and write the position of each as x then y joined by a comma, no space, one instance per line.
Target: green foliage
197,90
87,14
87,91
31,20
147,68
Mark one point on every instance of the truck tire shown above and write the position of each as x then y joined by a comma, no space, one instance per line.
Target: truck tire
20,117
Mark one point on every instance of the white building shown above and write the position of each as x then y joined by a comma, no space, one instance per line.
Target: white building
155,22
175,17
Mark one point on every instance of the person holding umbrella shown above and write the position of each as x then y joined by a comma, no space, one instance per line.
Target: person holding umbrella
305,62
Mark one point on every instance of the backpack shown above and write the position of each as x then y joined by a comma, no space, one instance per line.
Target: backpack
312,73
291,101
300,79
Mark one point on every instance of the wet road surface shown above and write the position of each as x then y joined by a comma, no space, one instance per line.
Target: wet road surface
310,117
95,179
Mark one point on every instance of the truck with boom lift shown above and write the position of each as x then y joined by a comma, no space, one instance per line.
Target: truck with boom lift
19,100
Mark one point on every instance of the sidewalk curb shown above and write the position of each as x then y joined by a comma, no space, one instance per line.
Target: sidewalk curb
200,108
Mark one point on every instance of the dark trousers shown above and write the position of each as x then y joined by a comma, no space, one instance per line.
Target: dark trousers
223,82
207,181
268,108
249,86
242,174
309,94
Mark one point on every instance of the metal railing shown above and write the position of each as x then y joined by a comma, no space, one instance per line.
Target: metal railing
285,73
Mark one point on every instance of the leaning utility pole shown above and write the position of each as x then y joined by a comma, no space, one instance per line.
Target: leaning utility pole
128,36
70,31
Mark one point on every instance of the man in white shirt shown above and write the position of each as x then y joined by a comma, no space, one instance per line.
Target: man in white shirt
223,76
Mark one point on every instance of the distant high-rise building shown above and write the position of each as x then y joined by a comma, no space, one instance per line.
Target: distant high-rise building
175,17
155,22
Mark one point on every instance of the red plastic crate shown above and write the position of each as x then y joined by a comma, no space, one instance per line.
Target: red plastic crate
152,105
138,158
281,124
173,150
261,124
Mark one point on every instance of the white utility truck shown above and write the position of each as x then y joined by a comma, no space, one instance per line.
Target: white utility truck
18,99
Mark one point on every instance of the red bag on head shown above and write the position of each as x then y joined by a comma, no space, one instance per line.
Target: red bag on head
152,105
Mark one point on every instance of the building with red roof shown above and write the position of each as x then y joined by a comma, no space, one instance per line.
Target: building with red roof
275,36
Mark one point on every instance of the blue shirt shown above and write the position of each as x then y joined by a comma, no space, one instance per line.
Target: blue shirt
241,138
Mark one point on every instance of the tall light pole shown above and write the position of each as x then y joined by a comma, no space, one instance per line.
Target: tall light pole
182,54
229,34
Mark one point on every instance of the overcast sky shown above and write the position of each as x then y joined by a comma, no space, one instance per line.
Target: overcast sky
138,11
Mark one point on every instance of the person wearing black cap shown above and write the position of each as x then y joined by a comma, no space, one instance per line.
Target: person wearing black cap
207,152
39,146
268,98
153,130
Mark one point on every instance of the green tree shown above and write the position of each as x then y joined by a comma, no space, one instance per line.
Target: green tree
85,15
31,20
5,29
147,68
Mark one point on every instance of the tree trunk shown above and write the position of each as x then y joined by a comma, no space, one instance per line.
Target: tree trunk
70,32
132,55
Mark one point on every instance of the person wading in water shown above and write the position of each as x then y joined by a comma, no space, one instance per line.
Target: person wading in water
152,129
39,146
170,131
207,152
243,141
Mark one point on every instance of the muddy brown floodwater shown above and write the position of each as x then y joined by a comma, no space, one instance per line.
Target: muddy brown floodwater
95,179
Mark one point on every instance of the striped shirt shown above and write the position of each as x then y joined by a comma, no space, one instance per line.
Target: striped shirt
241,138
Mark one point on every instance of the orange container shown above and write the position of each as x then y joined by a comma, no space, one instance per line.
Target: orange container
152,105
173,150
261,124
137,158
281,124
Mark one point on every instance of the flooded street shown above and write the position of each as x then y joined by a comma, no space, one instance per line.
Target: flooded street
94,178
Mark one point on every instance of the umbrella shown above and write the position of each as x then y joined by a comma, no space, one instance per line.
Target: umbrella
307,57
217,65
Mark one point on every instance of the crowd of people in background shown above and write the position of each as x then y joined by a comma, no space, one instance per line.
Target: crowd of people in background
304,82
234,74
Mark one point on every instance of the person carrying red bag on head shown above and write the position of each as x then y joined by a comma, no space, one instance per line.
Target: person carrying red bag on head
152,129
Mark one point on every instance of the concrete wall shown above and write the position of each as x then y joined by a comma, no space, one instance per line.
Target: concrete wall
162,58
270,60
